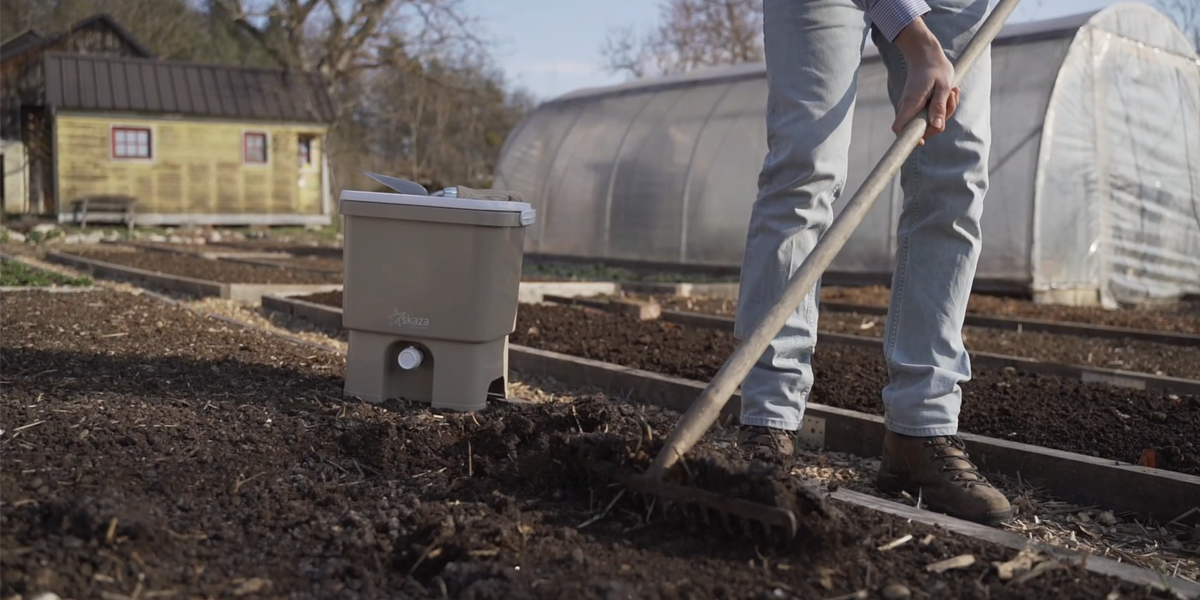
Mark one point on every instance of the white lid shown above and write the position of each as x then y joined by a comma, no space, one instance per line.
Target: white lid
526,209
410,358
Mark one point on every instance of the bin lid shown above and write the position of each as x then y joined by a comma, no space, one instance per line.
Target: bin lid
526,211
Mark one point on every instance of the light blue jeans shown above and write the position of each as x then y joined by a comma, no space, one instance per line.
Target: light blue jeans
813,51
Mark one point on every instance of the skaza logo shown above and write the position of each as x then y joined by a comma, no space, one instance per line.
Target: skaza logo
403,319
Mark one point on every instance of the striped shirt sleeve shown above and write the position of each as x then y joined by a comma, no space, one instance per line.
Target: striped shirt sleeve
891,16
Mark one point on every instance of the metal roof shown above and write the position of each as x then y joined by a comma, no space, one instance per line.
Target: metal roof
1012,33
106,83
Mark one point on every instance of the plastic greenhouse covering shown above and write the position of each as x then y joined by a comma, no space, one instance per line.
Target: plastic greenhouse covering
1094,168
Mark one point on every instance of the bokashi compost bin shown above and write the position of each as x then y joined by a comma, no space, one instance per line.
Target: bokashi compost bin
430,294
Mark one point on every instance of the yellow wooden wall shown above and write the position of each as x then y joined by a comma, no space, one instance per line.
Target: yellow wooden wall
197,166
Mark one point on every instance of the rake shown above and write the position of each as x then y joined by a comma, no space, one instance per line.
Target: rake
707,407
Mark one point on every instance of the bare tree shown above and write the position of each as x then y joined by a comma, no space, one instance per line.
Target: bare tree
1187,15
341,38
690,34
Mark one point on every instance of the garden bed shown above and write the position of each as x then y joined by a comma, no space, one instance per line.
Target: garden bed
1090,419
219,271
154,453
18,274
1182,317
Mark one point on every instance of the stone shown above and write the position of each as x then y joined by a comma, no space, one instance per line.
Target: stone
896,591
15,237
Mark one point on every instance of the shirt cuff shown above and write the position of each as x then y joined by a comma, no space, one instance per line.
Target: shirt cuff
892,16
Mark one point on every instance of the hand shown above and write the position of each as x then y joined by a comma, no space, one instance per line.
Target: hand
928,83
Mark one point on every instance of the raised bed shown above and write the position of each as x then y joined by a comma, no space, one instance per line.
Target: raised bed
852,380
208,251
530,292
17,275
242,283
133,457
1074,344
1177,360
1073,415
1182,317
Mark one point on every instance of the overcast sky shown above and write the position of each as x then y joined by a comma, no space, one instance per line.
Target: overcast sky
550,47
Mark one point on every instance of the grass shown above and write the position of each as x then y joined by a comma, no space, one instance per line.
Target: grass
19,274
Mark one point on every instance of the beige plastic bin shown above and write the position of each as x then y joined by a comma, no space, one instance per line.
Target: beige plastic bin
430,296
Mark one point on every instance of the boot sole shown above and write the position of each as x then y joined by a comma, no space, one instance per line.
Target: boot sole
894,485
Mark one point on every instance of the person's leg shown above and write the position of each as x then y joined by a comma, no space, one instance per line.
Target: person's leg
939,238
813,50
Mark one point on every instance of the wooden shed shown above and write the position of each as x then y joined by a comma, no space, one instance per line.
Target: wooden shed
97,116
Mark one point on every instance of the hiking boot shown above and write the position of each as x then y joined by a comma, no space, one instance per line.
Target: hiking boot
765,440
938,470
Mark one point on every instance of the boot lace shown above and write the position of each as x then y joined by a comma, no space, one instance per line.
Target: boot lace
965,471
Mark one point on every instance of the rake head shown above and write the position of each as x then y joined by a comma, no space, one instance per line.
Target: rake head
733,515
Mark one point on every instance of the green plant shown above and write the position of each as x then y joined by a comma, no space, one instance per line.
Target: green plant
13,273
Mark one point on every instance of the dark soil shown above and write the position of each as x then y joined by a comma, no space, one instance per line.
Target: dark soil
316,263
1129,355
270,245
152,453
1182,317
1091,419
333,298
210,270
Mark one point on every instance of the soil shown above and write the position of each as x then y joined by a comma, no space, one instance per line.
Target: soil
1181,317
1124,354
1127,355
316,263
269,245
152,453
1092,419
333,298
210,270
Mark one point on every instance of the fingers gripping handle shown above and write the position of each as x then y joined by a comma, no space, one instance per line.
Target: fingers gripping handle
705,409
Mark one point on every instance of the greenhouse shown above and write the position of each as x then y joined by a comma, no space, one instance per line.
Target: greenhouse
1095,165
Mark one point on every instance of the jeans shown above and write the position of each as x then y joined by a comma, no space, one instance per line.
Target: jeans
813,50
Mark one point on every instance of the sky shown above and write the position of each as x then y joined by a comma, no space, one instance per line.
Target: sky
551,47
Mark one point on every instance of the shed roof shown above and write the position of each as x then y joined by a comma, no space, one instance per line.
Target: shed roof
106,83
30,39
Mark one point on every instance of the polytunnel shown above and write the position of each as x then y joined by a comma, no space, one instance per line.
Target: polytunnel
1094,167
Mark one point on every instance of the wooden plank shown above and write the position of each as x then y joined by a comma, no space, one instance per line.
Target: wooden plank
1095,564
1065,475
266,262
187,285
1021,324
202,252
1113,377
641,310
252,293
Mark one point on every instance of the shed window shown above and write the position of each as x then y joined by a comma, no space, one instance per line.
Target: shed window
304,147
254,147
130,142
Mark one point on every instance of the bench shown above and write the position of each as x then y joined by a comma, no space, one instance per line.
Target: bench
103,208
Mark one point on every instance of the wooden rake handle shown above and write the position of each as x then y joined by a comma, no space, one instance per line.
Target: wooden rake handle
705,409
